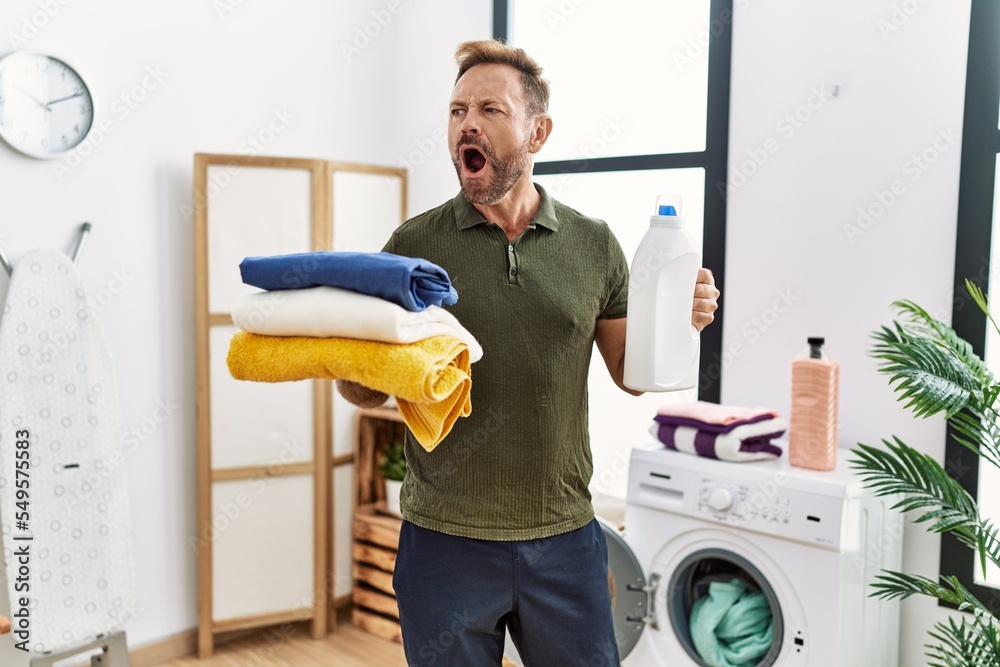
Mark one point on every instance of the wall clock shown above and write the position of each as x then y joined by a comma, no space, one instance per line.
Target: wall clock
46,109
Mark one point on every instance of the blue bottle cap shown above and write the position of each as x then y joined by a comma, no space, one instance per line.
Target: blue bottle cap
668,206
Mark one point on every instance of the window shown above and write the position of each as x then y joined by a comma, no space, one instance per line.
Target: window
639,87
640,108
978,228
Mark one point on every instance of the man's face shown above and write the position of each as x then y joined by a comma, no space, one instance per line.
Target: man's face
488,132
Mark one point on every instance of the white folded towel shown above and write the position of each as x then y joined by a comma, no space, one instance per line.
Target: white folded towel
327,312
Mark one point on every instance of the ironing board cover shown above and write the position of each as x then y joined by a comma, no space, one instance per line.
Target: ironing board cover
57,383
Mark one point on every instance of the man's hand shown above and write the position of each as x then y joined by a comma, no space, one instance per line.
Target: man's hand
360,395
706,300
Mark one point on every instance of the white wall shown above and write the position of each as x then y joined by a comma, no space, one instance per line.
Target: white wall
225,74
427,50
789,226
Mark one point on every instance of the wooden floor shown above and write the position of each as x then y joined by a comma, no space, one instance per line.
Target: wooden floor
347,647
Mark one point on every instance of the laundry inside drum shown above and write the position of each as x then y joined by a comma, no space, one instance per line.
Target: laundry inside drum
724,612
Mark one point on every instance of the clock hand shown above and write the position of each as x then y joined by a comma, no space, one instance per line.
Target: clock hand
37,101
63,99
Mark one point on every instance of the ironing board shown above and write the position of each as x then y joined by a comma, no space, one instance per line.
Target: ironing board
57,388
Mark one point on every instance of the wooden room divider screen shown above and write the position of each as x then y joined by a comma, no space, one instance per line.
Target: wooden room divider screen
274,460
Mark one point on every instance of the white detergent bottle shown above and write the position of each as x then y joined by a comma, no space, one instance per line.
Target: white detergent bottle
661,345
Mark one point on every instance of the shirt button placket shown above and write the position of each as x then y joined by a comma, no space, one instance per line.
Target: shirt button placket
512,260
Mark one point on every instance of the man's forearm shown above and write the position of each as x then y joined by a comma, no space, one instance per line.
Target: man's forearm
360,395
610,339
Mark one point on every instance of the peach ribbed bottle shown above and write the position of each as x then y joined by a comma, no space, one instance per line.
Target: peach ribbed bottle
812,427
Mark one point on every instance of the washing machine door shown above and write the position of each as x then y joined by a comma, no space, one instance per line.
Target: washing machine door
634,598
687,585
632,594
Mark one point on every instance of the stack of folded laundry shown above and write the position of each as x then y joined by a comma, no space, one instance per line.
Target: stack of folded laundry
371,318
727,432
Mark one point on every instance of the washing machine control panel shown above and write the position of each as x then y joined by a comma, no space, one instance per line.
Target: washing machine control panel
770,508
740,503
771,500
752,498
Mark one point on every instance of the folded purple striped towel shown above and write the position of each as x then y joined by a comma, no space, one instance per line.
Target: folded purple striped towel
749,440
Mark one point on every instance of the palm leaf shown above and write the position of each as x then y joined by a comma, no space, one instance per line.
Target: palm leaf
924,486
965,644
933,371
981,300
923,324
931,378
901,585
979,433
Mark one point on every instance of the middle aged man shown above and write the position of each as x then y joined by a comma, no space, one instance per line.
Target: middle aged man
499,529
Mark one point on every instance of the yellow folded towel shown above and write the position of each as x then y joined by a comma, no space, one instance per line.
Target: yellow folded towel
431,379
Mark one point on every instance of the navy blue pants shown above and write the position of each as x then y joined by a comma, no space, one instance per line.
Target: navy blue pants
457,595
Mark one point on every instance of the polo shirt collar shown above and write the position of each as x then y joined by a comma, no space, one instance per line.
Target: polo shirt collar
467,216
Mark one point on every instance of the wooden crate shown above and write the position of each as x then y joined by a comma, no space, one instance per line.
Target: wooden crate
376,535
374,431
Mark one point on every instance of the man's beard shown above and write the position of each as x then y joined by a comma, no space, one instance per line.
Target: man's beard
507,169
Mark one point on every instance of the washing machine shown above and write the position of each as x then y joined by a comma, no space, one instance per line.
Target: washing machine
811,542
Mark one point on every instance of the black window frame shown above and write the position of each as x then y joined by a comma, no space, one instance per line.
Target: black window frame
713,160
980,146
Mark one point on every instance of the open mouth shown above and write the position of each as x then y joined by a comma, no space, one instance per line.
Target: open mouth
474,160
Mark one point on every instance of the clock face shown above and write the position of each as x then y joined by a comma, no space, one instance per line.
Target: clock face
45,107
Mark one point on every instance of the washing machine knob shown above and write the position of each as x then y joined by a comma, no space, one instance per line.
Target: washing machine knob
720,500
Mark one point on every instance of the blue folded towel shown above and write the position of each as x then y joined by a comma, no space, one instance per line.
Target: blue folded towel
731,626
411,283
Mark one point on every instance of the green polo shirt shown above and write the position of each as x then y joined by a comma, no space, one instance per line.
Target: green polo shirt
519,466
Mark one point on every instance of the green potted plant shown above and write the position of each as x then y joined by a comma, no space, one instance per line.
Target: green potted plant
392,467
936,372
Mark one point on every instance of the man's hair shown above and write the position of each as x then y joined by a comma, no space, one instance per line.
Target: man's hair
495,52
